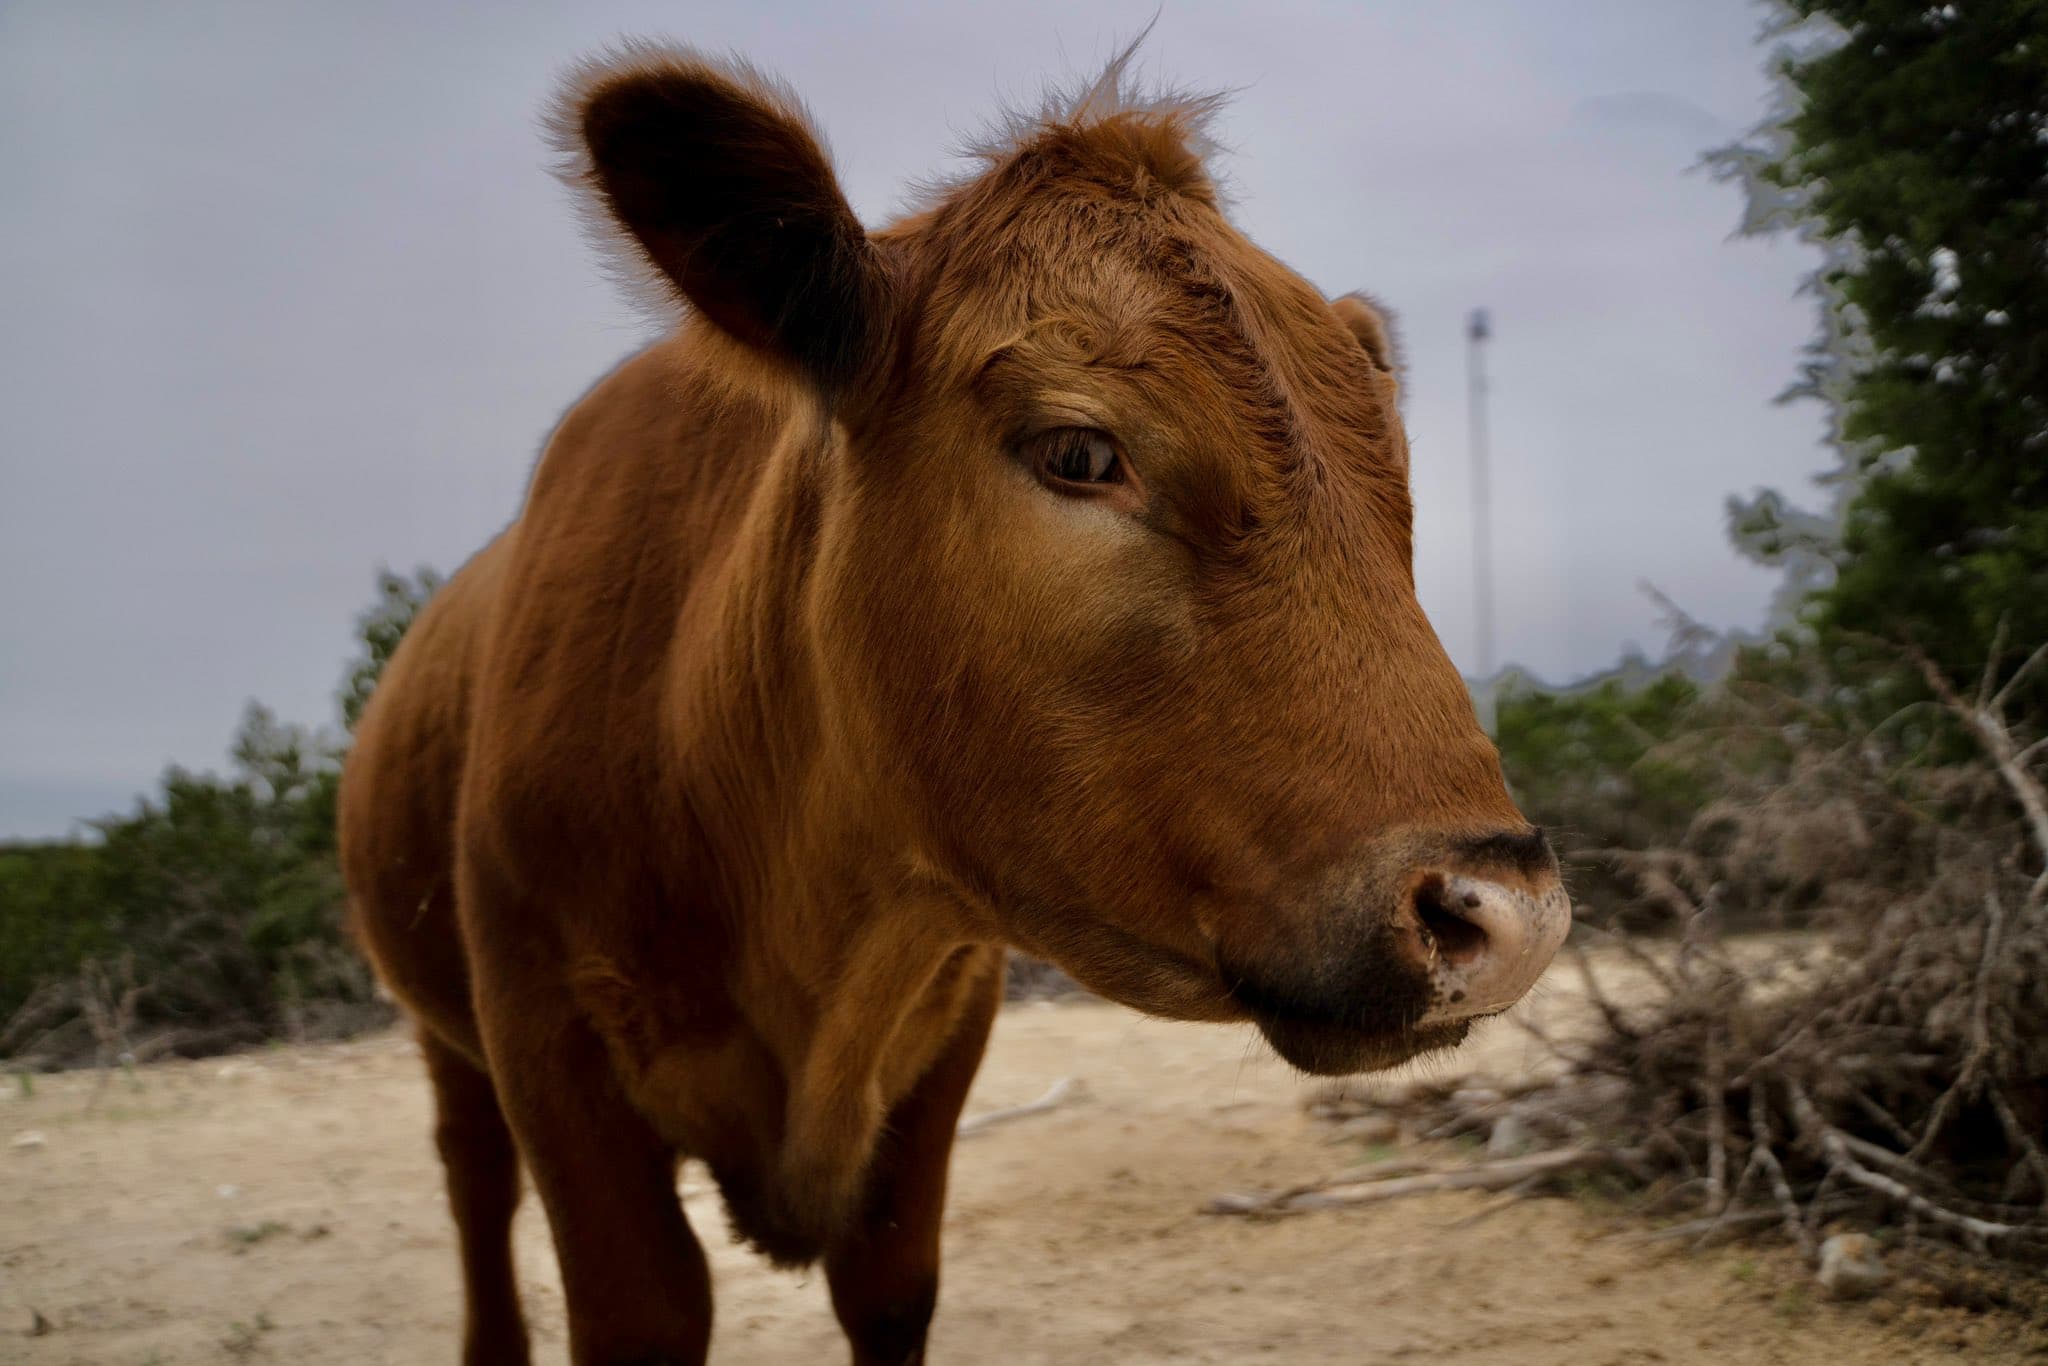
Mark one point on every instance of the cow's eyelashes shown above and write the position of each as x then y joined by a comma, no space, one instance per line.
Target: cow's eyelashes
1075,459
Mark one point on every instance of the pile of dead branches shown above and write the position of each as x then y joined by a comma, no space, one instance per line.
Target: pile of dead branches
1887,1069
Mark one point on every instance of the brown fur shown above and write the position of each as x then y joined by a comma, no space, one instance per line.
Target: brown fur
694,814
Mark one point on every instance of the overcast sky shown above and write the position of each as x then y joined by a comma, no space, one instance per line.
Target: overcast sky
286,293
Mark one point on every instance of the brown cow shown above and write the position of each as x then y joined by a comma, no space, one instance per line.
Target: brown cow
1035,571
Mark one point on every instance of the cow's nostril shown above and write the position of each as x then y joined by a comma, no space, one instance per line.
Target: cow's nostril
1445,930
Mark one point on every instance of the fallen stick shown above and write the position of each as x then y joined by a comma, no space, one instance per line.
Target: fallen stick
1704,1232
1781,1186
1058,1092
1485,1176
1357,1175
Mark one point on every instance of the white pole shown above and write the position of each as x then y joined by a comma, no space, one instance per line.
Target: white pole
1478,330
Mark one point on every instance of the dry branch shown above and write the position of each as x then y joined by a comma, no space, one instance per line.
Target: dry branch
1987,722
1347,1189
1979,1231
1063,1089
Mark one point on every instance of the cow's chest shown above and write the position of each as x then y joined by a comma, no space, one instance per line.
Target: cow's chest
787,1119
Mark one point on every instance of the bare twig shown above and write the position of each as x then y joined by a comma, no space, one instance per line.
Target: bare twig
1488,1176
2016,1134
46,1003
1988,724
1881,1115
1980,1036
1767,1160
2014,679
1608,1012
1717,1122
1704,1231
1992,658
1059,1091
1833,1141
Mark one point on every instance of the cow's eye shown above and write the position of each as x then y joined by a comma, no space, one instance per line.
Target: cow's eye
1073,456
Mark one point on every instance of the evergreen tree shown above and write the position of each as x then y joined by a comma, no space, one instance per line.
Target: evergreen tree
218,899
1911,144
380,627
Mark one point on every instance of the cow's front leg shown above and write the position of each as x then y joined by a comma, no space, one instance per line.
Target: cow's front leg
635,1280
884,1273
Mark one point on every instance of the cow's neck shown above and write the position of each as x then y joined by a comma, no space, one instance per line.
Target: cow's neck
842,932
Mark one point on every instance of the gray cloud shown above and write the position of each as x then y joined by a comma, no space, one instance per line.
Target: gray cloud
288,293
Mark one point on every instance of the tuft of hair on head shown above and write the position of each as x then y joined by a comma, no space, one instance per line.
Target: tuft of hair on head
1111,126
704,182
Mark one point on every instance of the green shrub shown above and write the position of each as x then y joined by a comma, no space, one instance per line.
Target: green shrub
210,915
1594,767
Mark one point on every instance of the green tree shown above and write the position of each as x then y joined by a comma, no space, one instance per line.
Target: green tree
379,629
1593,766
1910,145
222,894
50,919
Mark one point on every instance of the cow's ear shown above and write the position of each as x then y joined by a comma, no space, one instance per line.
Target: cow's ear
715,178
1374,328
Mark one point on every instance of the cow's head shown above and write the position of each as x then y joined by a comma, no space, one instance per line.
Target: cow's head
1113,584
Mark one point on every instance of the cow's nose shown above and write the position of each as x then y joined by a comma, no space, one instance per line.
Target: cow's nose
1482,943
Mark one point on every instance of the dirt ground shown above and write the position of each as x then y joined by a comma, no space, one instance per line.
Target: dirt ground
286,1205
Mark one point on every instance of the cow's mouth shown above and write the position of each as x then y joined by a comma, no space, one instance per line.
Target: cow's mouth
1368,1038
1332,1050
1337,1033
1321,1031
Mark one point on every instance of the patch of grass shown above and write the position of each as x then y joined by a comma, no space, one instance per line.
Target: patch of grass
1744,1270
1795,1303
1379,1152
25,1082
242,1237
243,1338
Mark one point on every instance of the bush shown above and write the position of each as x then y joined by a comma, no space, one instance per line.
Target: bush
215,908
1594,768
210,916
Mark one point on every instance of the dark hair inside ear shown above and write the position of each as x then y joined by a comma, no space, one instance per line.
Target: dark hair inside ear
730,196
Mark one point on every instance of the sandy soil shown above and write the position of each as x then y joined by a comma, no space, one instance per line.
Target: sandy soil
287,1206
